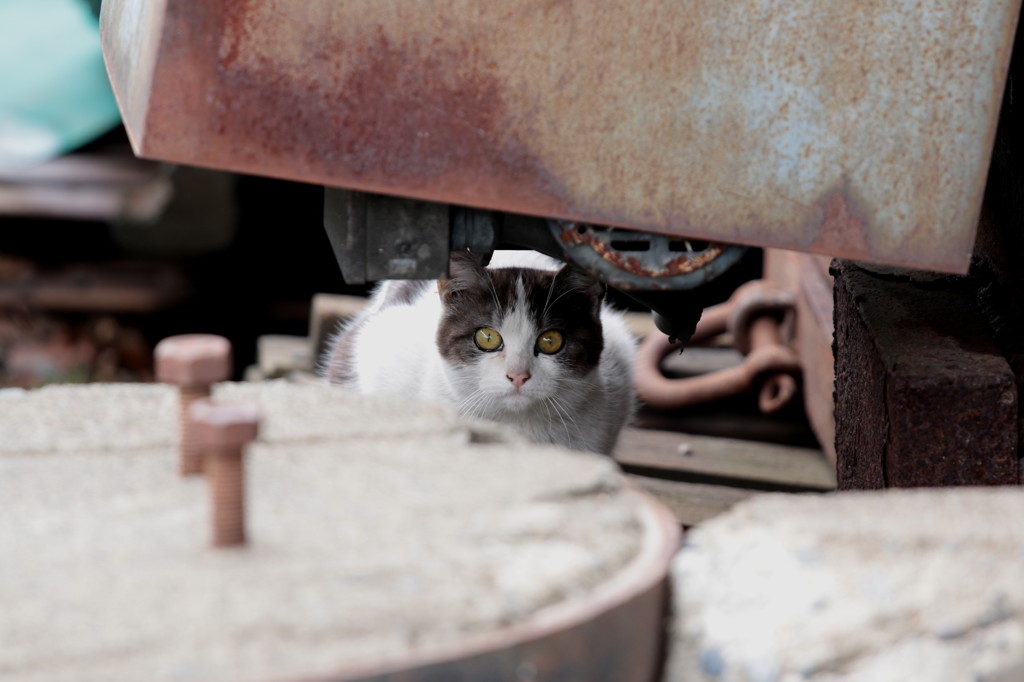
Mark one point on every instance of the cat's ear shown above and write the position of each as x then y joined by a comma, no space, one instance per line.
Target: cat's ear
463,274
571,278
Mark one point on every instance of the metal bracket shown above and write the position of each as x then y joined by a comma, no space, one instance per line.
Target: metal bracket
476,231
377,237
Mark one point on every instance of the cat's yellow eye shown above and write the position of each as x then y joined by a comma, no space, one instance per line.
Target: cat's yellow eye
487,339
550,342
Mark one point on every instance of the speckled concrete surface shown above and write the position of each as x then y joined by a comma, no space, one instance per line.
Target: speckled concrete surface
376,527
922,585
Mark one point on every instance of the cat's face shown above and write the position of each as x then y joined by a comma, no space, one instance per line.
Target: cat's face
515,339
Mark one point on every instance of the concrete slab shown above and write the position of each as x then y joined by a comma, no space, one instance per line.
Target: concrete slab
377,527
920,585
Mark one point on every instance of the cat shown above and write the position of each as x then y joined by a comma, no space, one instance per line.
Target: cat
523,341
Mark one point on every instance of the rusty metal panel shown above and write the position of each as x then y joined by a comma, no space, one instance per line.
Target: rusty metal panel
860,129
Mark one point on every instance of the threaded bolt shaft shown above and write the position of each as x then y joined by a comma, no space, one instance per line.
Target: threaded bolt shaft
221,434
190,459
226,472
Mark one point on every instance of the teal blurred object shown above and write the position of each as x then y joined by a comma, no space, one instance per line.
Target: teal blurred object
54,92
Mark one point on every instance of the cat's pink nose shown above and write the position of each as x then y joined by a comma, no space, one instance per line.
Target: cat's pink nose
518,378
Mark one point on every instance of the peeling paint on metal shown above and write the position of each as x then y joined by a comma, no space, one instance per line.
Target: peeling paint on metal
855,129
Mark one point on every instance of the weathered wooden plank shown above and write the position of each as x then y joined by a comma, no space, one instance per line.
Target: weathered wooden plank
107,287
87,187
280,354
691,503
116,166
747,463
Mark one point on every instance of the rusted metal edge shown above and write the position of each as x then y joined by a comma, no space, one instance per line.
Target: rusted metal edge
441,122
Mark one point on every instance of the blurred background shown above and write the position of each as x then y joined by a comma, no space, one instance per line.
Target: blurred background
103,254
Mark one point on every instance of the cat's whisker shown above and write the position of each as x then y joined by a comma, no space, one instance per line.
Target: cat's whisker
551,290
563,414
549,403
488,404
484,404
563,295
465,407
471,404
494,295
572,420
547,408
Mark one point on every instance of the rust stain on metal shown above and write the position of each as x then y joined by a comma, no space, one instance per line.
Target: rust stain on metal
841,230
386,113
680,265
731,122
684,264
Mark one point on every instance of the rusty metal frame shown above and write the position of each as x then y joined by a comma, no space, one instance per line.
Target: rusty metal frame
862,129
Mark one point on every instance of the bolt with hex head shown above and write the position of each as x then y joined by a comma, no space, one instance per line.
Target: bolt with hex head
192,362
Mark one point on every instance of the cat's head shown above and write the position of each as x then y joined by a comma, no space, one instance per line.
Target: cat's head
514,338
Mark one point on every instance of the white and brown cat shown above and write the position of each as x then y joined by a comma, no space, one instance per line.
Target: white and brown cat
524,342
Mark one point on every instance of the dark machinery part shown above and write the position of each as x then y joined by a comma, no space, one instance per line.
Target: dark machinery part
381,237
475,231
378,237
631,260
663,273
410,239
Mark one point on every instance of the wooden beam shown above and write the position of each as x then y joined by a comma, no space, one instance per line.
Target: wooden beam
691,503
702,459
